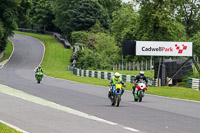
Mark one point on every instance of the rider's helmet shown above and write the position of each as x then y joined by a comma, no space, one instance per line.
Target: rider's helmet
141,73
117,75
39,66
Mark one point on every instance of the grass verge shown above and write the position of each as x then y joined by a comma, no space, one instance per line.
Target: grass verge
5,129
57,58
8,51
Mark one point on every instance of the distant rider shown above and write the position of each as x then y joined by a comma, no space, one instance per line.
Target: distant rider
137,79
116,79
39,69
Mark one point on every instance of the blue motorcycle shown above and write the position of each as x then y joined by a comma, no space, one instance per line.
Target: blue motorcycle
116,96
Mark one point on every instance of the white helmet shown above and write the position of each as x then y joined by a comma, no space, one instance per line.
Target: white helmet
141,73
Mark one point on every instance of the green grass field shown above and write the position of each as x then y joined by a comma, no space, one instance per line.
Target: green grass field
9,49
5,129
57,58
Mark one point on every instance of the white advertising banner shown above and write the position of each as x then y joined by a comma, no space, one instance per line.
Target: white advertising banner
161,48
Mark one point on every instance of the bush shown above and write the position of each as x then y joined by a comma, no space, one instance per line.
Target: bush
79,37
99,52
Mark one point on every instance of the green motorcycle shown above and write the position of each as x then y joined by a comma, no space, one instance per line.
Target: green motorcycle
39,76
141,87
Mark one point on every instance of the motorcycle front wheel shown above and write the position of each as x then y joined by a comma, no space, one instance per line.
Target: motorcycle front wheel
38,80
135,98
140,96
113,101
118,99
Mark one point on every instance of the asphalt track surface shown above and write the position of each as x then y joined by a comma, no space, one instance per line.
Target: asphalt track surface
153,115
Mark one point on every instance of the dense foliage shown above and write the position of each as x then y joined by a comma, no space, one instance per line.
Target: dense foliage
42,16
98,49
10,11
85,14
99,26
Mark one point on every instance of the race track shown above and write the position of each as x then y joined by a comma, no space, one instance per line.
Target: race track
153,115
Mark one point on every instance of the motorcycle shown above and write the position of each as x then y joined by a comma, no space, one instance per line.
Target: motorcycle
141,87
39,76
116,95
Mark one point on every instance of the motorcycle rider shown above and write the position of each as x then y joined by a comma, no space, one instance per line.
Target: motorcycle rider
137,79
116,79
39,69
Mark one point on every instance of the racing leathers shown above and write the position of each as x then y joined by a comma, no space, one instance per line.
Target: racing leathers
136,80
112,82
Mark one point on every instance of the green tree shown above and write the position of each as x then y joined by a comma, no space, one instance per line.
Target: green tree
100,51
2,37
61,9
188,13
33,7
196,43
84,15
79,37
124,23
110,5
43,16
156,22
107,49
23,16
87,59
96,28
8,11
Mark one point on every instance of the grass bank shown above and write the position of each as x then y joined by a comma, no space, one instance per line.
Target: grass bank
57,58
5,129
8,51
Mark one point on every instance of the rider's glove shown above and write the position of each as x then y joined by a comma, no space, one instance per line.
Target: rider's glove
124,85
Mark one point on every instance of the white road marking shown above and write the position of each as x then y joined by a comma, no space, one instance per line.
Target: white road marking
131,129
14,127
22,95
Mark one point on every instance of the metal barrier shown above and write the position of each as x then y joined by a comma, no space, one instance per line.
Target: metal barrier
194,83
105,75
58,36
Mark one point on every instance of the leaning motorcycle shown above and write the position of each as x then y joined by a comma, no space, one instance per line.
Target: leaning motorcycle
141,87
39,76
116,95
